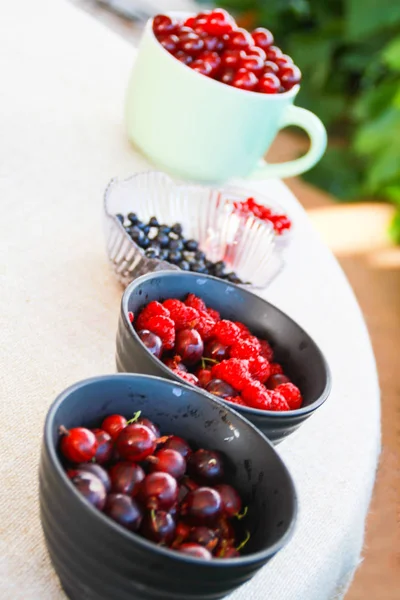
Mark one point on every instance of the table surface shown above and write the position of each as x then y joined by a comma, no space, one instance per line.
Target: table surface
62,138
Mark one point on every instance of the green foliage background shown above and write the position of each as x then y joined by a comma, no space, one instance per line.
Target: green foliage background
349,53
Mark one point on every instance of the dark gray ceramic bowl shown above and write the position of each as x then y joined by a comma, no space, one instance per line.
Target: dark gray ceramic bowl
300,356
96,559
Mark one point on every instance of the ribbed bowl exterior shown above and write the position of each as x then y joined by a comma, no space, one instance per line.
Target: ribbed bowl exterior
303,361
248,245
96,559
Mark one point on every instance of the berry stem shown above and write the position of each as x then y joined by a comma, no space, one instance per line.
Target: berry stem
241,515
135,417
242,544
210,360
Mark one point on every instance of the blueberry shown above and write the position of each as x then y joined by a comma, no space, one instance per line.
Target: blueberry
144,243
200,256
136,234
164,229
153,222
191,245
163,255
151,253
174,257
140,224
198,267
162,239
209,264
219,269
120,218
153,232
146,229
177,228
233,278
184,265
133,218
175,245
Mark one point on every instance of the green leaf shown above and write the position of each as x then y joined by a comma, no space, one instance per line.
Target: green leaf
394,228
338,173
364,17
391,54
376,135
384,169
392,192
375,101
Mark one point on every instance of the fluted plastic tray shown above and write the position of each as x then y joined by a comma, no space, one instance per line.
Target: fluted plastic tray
247,244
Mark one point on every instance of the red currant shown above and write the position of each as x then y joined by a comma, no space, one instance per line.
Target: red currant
227,75
170,43
218,23
239,39
78,444
290,76
191,43
212,58
255,50
232,58
245,80
262,37
283,61
252,63
213,44
273,52
184,58
269,84
271,67
163,25
190,22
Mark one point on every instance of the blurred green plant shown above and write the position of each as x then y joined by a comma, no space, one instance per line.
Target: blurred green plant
349,54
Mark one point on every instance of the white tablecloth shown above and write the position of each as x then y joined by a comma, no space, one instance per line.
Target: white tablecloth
63,78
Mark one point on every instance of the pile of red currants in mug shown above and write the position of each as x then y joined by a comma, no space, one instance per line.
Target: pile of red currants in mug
212,44
224,357
158,487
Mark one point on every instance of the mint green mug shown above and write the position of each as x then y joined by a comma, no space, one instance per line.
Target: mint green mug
199,129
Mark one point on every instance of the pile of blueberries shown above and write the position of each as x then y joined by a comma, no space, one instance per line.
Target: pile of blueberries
165,242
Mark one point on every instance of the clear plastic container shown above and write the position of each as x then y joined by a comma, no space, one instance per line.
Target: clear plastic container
247,244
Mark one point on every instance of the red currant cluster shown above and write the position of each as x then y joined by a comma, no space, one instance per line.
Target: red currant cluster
156,486
223,356
280,222
212,44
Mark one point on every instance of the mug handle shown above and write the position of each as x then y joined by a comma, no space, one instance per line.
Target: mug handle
312,125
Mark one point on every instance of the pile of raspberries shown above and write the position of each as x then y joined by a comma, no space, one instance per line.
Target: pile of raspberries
248,368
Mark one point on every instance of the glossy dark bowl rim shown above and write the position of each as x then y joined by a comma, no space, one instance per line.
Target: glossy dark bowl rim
298,412
137,539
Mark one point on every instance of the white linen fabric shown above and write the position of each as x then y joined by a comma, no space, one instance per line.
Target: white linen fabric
63,78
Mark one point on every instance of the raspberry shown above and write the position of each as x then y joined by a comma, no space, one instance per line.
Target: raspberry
214,314
266,350
291,394
153,309
196,302
205,325
244,349
259,368
244,331
234,371
183,316
256,396
278,402
275,369
235,400
131,317
164,327
226,332
188,377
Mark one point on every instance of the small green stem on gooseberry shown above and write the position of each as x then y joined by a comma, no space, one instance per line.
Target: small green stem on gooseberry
242,514
242,544
135,417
